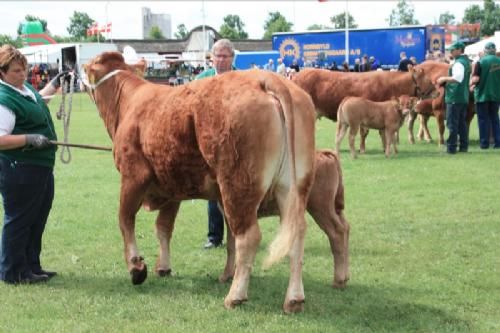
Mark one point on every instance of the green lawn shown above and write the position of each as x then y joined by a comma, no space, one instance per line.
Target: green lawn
424,251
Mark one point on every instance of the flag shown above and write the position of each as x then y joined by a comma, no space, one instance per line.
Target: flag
106,27
93,30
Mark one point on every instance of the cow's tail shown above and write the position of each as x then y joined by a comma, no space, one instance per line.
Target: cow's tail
293,221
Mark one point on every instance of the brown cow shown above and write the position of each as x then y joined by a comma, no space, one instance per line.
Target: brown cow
387,117
326,206
328,88
434,107
231,138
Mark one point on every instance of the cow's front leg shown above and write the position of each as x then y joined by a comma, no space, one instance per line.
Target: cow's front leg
131,195
164,228
246,248
441,128
230,259
363,133
411,122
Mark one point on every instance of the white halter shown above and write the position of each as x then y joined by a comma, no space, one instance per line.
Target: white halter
104,78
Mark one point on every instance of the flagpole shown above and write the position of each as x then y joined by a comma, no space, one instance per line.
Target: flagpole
346,33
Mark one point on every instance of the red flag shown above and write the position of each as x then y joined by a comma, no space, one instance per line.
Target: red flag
106,27
93,30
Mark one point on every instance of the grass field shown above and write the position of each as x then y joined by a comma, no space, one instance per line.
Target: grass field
424,251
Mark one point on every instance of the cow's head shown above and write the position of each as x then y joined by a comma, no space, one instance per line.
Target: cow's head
406,104
424,77
103,67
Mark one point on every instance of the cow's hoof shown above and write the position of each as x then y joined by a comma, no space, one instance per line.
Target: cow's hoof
139,275
232,303
164,272
225,278
339,284
294,306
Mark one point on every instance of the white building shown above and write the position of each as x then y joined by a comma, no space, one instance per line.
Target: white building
149,20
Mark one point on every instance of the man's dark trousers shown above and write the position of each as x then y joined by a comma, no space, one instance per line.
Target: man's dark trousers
215,223
487,119
457,127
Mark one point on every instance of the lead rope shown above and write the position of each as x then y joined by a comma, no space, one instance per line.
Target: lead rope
65,117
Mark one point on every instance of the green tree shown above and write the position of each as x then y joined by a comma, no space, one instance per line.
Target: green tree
182,31
6,39
446,18
318,27
489,17
78,25
339,21
233,28
276,23
155,33
402,15
491,22
473,14
31,18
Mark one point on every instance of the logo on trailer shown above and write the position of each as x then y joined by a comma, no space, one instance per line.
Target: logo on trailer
290,48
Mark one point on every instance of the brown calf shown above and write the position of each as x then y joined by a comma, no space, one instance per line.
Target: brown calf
326,206
387,117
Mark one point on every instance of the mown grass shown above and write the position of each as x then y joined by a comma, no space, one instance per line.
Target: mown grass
424,251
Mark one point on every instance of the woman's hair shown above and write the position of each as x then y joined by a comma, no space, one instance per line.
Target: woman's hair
8,55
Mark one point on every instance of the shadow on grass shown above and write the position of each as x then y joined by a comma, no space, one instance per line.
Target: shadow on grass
365,308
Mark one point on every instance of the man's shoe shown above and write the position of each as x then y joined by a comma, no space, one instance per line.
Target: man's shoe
44,272
211,245
29,279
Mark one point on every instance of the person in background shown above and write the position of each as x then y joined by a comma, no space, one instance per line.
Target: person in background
365,64
26,169
222,56
486,84
404,62
457,98
357,65
374,65
345,66
295,66
269,66
281,68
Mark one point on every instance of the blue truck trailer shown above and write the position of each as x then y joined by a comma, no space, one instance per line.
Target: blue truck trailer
326,46
245,60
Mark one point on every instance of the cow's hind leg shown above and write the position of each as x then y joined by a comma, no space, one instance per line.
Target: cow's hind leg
131,196
164,228
230,259
352,138
246,245
341,132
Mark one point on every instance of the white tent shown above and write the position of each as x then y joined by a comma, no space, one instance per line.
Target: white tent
474,49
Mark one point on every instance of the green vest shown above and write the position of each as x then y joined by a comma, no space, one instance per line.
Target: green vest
458,93
488,88
206,73
31,118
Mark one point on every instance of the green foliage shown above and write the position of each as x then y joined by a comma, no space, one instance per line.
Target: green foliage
423,251
403,14
155,33
446,18
339,21
6,39
491,22
31,18
473,14
78,25
233,28
276,23
182,31
318,27
488,17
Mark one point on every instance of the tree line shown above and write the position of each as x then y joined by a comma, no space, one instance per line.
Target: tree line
234,28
